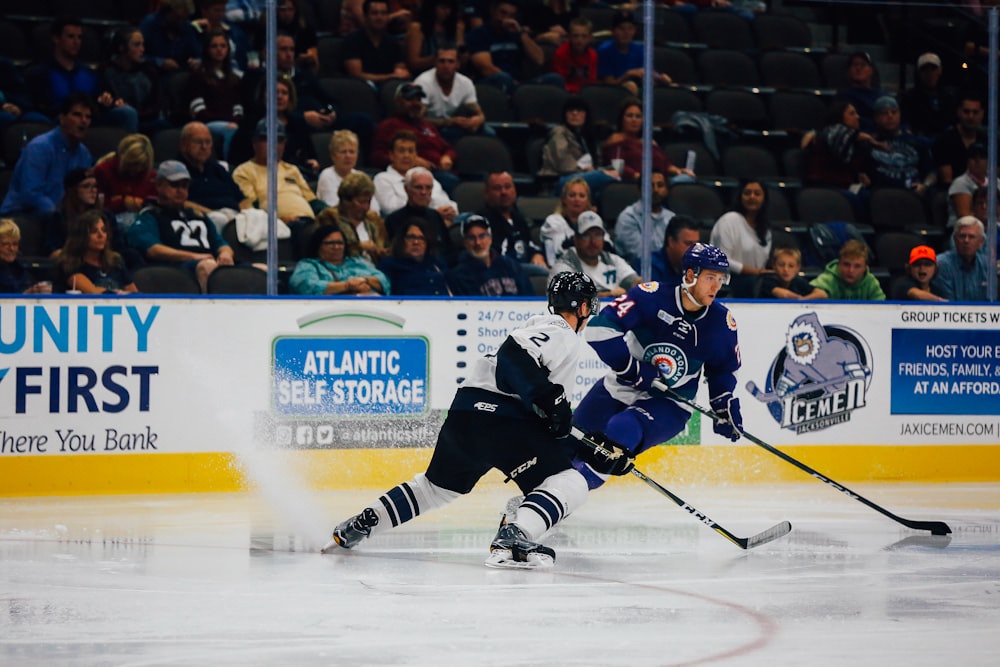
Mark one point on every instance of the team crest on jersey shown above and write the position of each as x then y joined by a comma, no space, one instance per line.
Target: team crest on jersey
650,287
730,321
669,360
819,378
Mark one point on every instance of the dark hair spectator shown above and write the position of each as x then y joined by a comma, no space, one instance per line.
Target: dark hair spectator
438,23
333,265
744,234
87,261
214,91
413,267
135,80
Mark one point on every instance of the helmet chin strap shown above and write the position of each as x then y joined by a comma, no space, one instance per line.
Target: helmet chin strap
686,289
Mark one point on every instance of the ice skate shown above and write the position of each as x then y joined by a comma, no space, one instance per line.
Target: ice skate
512,549
352,531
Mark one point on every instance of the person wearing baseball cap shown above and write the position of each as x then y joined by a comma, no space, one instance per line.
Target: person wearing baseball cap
903,160
481,270
861,90
915,284
927,106
170,231
610,272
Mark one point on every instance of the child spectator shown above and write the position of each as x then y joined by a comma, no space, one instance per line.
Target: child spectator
848,278
916,284
785,282
575,59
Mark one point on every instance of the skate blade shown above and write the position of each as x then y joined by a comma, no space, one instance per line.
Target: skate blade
329,546
502,559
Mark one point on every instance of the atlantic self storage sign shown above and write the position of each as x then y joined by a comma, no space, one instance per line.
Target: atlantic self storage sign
350,376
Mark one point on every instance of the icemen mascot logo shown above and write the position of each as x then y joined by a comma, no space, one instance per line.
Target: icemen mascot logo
820,377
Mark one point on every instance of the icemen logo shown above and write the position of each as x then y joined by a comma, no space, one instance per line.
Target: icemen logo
820,377
670,360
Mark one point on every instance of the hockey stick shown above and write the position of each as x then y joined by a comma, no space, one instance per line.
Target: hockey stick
772,533
935,527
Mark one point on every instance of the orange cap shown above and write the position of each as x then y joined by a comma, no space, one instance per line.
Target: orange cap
922,252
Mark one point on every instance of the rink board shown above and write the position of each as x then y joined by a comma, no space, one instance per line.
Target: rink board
102,395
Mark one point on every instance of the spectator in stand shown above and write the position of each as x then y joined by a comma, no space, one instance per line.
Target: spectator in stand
412,267
559,228
499,50
433,152
848,278
212,191
344,147
15,277
438,23
963,272
213,17
88,263
403,156
244,11
629,228
418,184
838,154
571,150
626,145
15,102
214,91
962,188
917,283
899,160
170,232
37,182
134,80
371,53
951,148
297,203
620,60
399,13
784,282
548,20
79,195
299,149
126,178
744,234
682,233
166,44
481,270
510,229
610,272
927,107
63,74
452,105
362,227
861,90
334,266
319,111
575,59
290,21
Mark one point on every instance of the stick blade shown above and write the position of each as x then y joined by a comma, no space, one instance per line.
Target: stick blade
935,527
769,535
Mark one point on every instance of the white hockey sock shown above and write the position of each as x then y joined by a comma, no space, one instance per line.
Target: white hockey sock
409,499
550,502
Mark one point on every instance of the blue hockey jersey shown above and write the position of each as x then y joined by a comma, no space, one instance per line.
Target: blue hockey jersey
649,323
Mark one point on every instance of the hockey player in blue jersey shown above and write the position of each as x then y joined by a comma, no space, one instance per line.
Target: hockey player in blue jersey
674,334
511,414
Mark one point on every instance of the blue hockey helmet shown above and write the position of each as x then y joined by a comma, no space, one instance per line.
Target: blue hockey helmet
706,256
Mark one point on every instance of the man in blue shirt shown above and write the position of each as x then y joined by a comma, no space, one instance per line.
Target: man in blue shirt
37,184
499,48
620,59
963,272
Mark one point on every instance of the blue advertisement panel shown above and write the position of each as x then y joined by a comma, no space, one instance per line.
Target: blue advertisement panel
945,372
350,376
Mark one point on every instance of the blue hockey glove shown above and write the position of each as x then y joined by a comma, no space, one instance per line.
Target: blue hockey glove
555,406
730,421
616,461
638,375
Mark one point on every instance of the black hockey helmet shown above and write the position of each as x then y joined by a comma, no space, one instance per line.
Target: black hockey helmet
568,291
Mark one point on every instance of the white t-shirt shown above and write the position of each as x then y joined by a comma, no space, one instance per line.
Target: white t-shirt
391,194
439,105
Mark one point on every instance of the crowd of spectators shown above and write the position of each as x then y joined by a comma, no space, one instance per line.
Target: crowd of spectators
390,188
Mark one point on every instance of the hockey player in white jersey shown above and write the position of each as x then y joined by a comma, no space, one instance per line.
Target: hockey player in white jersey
512,414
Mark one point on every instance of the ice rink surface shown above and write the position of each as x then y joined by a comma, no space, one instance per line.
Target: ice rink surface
235,580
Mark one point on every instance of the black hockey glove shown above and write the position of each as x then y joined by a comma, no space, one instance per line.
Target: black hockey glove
638,375
730,421
614,460
555,407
